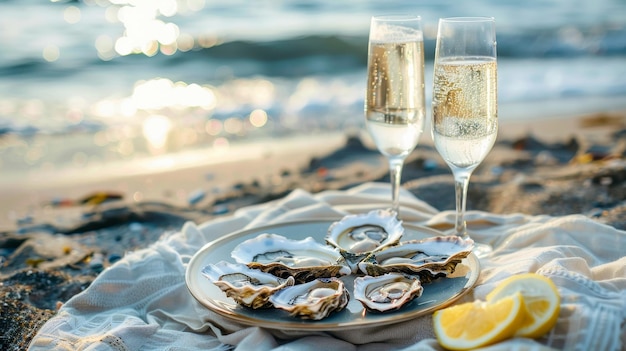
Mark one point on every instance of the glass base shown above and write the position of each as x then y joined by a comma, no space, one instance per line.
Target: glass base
482,250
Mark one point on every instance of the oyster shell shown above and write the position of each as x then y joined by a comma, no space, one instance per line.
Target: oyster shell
429,258
248,287
305,259
387,292
358,235
313,300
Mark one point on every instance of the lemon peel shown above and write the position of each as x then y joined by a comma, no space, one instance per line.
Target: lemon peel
475,324
525,305
541,298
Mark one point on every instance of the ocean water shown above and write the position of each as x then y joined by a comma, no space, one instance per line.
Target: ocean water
92,82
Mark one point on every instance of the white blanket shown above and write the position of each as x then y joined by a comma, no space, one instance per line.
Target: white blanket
142,301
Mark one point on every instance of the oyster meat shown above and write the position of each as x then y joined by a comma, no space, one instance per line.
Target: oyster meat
313,300
358,235
305,259
248,287
387,292
428,258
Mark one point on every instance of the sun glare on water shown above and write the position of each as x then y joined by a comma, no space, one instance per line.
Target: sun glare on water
156,129
144,31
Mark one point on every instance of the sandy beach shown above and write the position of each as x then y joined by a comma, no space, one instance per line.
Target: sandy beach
123,121
58,232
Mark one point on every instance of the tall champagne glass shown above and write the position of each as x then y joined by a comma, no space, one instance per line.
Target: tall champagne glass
394,102
465,107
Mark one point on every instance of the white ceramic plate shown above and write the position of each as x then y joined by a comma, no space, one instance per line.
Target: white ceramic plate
437,294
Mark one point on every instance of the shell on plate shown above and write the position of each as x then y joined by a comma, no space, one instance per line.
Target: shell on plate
314,300
428,258
248,287
358,235
305,260
387,292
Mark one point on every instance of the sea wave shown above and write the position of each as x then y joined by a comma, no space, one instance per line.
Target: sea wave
571,41
297,56
330,54
347,52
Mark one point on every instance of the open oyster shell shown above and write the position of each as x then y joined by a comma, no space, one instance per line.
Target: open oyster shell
429,258
387,292
358,235
313,300
305,260
248,287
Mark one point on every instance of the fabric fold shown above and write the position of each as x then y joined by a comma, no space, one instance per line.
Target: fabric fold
142,301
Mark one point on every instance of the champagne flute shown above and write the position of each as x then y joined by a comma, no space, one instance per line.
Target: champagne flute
394,102
465,106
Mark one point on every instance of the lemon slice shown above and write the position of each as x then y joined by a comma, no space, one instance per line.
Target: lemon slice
475,324
541,298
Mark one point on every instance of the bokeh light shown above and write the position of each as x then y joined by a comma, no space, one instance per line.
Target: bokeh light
144,31
105,46
233,125
213,127
51,53
258,118
156,129
160,93
72,14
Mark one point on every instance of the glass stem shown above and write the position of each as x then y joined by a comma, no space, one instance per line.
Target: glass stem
395,172
461,183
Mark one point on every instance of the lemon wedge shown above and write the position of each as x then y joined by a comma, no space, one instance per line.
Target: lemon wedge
541,299
475,324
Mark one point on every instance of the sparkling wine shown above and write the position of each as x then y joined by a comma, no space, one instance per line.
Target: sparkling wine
394,105
396,140
461,148
465,107
465,103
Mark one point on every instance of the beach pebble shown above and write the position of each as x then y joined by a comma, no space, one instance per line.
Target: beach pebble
25,220
497,170
606,181
135,227
97,262
114,258
100,197
595,213
196,196
545,158
88,215
61,202
322,172
220,209
429,164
